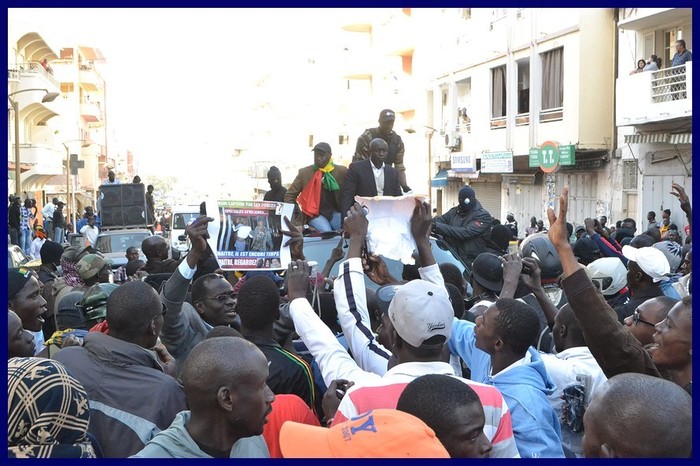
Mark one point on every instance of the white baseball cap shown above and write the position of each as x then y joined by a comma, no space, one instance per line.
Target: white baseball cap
652,261
421,310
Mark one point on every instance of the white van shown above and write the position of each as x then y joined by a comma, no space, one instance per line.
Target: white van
180,217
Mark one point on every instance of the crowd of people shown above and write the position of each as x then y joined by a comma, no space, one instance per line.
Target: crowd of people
577,345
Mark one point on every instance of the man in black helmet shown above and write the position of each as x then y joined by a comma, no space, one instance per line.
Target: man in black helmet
465,227
385,131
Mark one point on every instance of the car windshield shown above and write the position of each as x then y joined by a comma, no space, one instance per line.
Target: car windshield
181,220
120,242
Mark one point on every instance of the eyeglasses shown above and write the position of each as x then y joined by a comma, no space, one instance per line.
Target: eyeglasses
162,313
222,298
636,318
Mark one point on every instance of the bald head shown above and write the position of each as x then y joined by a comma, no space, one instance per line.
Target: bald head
155,247
130,308
378,151
614,419
566,331
215,363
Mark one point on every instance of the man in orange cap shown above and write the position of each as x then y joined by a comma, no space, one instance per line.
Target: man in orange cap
382,433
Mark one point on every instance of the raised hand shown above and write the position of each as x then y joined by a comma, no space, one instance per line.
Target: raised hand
297,279
558,234
295,241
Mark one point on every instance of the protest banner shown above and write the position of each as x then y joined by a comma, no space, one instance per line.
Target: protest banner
246,235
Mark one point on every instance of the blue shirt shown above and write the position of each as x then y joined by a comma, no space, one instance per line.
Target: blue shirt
681,58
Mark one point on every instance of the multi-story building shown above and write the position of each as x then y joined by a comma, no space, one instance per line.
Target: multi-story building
40,158
654,111
47,143
83,111
505,82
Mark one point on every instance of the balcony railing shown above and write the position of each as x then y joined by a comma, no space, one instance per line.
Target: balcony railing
655,95
35,68
669,84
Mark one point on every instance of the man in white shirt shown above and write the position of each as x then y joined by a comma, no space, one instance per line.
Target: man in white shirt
242,230
111,179
573,365
90,231
371,177
47,214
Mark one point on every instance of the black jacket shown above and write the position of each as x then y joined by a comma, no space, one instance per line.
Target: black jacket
289,374
131,399
360,182
467,233
13,216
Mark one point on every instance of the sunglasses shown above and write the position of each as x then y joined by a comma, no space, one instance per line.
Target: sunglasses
636,318
222,298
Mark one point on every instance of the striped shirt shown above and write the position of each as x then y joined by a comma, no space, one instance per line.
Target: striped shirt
385,393
25,218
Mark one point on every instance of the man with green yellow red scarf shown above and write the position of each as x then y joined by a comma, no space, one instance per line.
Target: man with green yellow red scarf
317,191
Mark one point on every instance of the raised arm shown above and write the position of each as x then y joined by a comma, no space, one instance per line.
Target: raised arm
332,359
615,349
351,300
176,330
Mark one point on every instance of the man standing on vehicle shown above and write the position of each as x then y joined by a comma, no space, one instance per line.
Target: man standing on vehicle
385,131
465,227
371,177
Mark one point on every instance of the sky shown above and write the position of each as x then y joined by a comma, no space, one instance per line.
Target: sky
181,81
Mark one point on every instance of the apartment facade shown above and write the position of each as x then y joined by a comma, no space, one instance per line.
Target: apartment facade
28,82
505,84
654,112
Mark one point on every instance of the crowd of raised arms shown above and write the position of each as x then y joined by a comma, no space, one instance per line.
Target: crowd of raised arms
565,343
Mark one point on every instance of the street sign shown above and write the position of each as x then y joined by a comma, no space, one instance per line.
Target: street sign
550,156
497,162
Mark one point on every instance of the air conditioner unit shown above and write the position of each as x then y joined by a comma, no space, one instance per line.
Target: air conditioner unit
452,141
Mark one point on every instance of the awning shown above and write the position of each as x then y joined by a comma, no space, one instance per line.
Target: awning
646,138
662,138
439,180
683,138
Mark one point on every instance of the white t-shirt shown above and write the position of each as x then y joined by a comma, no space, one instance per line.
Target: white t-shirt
90,234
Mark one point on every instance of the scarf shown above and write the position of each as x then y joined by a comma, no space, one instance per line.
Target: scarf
328,181
47,413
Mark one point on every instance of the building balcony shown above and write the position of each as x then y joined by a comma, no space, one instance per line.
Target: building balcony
33,75
639,19
655,96
396,36
89,79
356,20
91,112
39,163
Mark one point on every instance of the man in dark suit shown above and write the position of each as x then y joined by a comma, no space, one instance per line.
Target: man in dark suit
371,177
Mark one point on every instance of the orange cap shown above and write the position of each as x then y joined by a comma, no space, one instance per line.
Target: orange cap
382,433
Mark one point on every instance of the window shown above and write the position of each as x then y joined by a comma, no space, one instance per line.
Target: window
629,174
523,86
552,84
670,38
465,13
498,92
343,139
311,140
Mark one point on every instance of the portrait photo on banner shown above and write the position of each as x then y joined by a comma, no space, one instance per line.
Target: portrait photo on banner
246,235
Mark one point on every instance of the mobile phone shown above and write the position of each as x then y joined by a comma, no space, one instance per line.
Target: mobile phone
203,208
